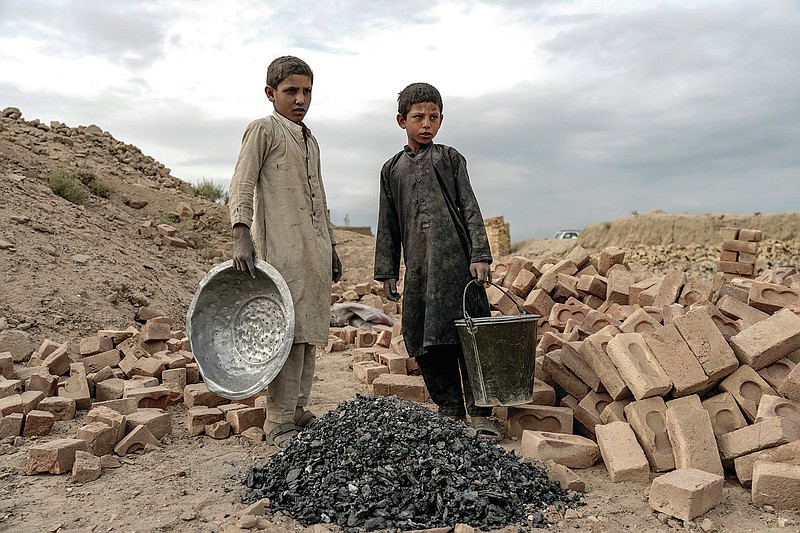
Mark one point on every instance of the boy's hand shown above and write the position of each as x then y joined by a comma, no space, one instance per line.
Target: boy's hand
481,272
336,265
390,290
243,250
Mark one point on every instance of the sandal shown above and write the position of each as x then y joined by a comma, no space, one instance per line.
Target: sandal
305,420
282,434
488,429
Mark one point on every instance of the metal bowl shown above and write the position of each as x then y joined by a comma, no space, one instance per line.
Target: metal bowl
241,328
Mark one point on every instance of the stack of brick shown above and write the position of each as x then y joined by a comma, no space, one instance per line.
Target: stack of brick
739,251
499,236
662,373
369,293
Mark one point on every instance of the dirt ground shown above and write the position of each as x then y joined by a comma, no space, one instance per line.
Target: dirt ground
67,270
195,484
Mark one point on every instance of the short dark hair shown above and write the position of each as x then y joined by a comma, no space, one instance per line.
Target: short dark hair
418,93
285,66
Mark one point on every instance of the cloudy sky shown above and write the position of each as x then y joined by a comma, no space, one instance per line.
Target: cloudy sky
568,112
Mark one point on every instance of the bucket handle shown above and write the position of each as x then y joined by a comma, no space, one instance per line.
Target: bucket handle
467,318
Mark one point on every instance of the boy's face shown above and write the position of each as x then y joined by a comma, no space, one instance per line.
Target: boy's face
421,124
292,97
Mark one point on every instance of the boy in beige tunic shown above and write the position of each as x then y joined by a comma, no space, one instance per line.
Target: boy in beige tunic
279,214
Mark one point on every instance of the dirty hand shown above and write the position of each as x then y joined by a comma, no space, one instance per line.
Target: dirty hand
390,290
336,265
243,250
481,272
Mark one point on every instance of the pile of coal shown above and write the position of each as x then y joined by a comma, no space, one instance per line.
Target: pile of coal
386,463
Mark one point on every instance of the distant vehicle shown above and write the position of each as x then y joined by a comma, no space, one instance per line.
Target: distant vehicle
567,234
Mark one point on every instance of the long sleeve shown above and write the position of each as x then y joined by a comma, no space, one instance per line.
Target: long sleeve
388,236
255,144
470,210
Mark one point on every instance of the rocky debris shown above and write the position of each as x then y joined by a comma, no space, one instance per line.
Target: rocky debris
385,463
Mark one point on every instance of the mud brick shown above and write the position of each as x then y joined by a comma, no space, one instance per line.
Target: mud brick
563,376
95,362
100,437
38,423
523,283
728,233
148,366
750,235
619,284
227,408
728,256
677,360
86,468
137,382
110,389
566,478
573,359
572,451
670,288
670,312
155,330
365,339
568,401
775,406
197,418
61,408
622,454
694,290
95,344
137,439
30,400
6,365
746,387
692,438
596,321
174,378
594,352
765,434
609,257
160,396
740,269
566,287
170,360
127,364
394,362
398,345
776,485
594,285
58,361
539,418
54,457
686,494
771,297
549,277
578,257
640,322
739,310
543,394
157,421
367,371
538,302
151,347
648,420
775,373
749,259
615,411
707,343
589,409
10,387
408,387
574,309
649,295
192,374
242,419
516,265
790,387
638,367
11,425
43,382
549,341
384,338
639,287
348,334
131,348
222,430
725,413
769,340
787,453
110,418
11,404
735,245
77,387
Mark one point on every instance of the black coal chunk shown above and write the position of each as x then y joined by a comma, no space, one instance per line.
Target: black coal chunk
387,463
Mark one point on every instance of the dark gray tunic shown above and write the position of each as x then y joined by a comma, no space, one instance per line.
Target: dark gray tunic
438,242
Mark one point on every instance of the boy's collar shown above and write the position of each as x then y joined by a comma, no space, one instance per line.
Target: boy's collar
298,128
422,149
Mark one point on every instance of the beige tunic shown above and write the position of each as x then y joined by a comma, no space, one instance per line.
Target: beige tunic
277,191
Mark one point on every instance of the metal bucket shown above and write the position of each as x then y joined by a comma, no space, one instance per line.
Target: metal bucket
500,353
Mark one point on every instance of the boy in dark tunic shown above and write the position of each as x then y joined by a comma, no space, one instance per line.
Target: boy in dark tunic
427,209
